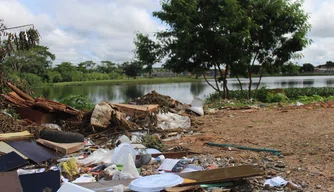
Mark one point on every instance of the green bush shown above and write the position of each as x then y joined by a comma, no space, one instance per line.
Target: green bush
78,101
32,79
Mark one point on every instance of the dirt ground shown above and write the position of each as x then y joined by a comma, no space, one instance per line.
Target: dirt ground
304,135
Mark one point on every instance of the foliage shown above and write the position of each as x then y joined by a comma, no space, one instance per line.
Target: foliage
147,52
290,68
309,99
35,60
32,79
152,141
307,68
201,35
12,42
132,69
278,31
78,101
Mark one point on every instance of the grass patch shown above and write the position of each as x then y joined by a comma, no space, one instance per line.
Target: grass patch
288,95
127,81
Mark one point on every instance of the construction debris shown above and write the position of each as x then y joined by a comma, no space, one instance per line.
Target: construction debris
119,147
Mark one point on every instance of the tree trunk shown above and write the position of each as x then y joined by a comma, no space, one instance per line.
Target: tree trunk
241,89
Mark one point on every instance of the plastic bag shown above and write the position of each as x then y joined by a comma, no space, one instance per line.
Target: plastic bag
197,106
99,156
172,121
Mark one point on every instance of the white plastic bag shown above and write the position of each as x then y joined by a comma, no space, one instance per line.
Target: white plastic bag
172,121
197,106
99,156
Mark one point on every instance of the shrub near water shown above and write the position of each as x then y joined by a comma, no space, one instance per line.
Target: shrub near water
309,94
78,101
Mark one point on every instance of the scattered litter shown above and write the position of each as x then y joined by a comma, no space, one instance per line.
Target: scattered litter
155,183
276,182
197,106
172,121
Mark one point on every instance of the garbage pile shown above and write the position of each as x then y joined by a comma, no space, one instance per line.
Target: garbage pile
51,150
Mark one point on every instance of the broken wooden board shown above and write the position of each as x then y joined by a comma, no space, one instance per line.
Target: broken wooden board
221,174
16,136
65,148
136,110
5,148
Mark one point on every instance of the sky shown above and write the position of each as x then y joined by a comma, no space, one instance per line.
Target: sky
81,30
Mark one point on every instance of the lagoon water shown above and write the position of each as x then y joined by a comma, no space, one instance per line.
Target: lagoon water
183,92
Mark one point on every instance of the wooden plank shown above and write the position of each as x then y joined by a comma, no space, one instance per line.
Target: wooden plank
65,148
16,136
222,174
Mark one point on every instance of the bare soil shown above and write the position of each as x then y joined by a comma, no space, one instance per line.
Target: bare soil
304,135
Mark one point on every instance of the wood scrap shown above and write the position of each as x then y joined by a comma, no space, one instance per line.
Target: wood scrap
19,92
65,148
16,136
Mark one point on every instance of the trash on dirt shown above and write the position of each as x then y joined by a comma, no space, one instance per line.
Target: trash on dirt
172,121
274,151
49,180
67,186
155,182
84,178
275,182
197,106
98,156
61,136
299,104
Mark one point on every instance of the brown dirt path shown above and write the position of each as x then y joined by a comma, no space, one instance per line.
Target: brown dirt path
305,136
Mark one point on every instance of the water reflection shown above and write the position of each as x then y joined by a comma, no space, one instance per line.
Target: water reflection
197,88
308,82
131,92
183,92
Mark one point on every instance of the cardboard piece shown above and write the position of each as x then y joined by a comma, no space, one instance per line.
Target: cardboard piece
39,182
65,148
33,151
221,174
11,161
15,136
10,182
5,148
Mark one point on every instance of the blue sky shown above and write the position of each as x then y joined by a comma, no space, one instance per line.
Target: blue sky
79,30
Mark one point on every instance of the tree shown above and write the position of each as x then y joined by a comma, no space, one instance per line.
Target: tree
307,68
147,51
10,42
203,34
86,66
106,67
35,60
132,69
66,70
290,68
278,31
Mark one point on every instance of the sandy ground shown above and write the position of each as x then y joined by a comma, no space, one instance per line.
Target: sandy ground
304,135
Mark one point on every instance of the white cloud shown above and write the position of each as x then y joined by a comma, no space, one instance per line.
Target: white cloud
78,30
85,30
